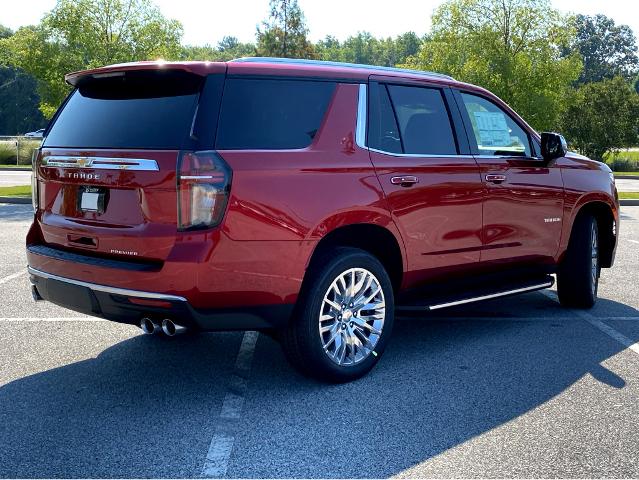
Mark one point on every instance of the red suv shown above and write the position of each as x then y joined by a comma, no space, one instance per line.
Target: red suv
310,199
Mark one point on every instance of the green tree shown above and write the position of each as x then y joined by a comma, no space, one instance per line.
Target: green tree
19,102
5,32
364,48
511,47
602,116
284,33
227,49
607,49
79,34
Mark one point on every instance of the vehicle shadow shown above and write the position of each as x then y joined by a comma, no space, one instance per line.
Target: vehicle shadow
442,381
148,407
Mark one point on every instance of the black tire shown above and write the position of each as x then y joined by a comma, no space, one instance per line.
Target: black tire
578,278
302,342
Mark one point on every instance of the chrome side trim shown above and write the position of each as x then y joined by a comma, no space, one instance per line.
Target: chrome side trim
493,295
419,155
360,130
106,289
101,163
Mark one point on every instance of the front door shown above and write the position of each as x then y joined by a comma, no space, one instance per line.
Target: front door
523,208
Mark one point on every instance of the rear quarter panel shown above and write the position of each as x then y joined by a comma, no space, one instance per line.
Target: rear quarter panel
283,202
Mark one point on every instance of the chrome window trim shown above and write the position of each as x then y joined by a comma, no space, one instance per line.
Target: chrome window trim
420,155
106,289
100,163
362,111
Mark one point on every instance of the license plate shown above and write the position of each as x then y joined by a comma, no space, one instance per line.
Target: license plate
92,199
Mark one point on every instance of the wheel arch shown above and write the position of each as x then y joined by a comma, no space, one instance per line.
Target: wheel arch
373,238
607,223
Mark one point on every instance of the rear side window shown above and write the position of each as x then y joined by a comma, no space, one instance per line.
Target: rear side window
271,114
383,133
423,120
146,110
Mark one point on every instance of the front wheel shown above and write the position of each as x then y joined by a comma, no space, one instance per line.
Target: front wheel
343,319
578,276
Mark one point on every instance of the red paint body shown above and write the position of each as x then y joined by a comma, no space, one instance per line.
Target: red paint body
282,203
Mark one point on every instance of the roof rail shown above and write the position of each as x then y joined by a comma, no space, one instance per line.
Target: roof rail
301,61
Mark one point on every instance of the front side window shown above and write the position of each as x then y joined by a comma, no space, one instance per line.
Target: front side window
261,114
495,131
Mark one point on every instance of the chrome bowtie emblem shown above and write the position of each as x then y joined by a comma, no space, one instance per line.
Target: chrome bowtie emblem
83,162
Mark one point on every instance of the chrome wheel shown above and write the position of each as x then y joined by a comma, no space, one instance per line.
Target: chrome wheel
352,317
594,255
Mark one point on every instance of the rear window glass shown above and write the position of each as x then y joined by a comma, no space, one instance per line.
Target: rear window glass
146,110
271,114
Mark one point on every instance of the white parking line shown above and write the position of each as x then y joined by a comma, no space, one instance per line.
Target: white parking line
221,446
633,241
597,323
8,278
52,319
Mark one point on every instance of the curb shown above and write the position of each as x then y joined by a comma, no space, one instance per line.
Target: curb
17,169
16,200
630,202
627,177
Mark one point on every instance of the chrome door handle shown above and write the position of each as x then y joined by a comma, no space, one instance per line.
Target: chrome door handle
494,178
405,180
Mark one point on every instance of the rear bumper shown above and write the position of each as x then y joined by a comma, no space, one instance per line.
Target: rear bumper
130,306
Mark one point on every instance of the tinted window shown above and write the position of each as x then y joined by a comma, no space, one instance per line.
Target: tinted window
147,110
271,114
423,120
495,131
383,133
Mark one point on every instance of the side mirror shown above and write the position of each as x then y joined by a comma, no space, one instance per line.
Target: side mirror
553,145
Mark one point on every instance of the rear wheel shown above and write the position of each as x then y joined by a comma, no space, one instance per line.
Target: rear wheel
343,319
578,276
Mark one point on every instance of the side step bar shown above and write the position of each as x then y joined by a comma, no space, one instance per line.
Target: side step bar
433,304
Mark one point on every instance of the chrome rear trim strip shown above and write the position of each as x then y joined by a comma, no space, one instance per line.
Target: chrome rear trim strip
101,163
106,289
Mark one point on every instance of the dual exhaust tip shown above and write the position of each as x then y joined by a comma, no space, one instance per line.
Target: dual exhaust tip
168,327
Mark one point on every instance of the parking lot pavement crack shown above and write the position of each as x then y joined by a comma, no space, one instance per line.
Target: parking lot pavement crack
221,446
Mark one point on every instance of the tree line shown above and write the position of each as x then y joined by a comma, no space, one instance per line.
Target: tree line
575,74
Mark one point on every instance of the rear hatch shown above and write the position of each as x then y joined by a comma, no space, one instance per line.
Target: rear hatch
107,168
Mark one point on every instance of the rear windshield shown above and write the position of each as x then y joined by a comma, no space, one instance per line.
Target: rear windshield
271,114
146,110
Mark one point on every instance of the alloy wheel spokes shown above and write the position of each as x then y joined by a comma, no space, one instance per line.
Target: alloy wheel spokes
352,316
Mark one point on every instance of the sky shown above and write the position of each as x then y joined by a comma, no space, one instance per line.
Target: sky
207,21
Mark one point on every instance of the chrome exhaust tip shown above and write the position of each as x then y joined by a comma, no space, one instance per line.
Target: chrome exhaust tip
171,329
148,326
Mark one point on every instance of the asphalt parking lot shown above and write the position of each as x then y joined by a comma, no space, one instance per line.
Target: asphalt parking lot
511,387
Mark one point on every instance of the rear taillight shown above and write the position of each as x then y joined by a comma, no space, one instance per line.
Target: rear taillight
34,178
204,183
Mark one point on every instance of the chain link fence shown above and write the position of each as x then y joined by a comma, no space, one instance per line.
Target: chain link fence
17,150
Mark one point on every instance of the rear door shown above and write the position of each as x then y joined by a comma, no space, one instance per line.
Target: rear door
523,209
107,168
431,182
